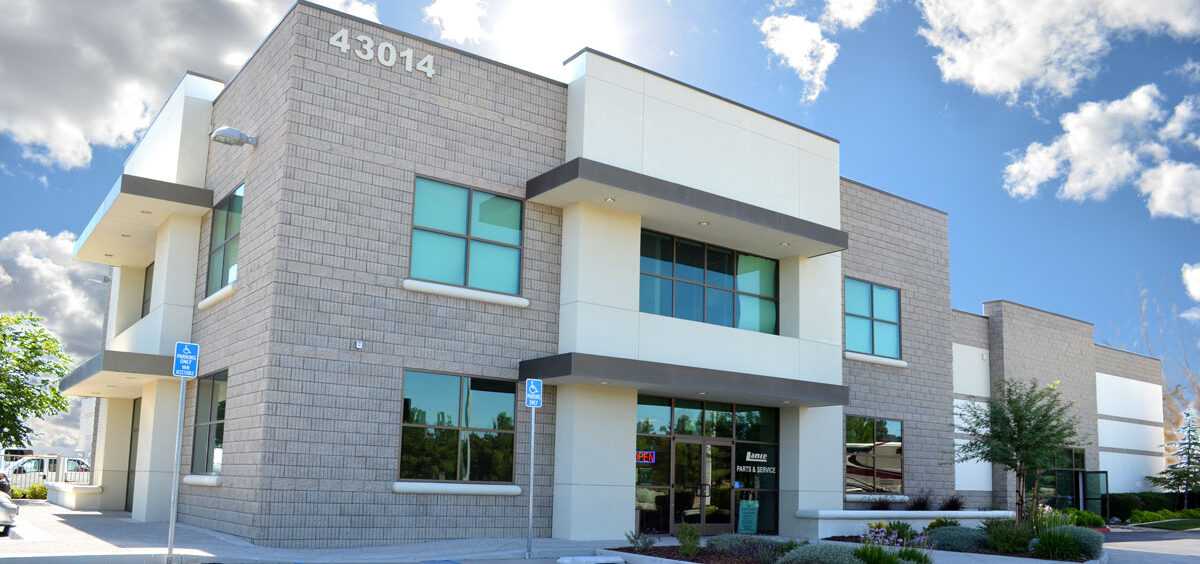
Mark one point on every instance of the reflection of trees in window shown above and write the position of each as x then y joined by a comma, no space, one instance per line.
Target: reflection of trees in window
471,438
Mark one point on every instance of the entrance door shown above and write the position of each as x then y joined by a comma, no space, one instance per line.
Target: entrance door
702,492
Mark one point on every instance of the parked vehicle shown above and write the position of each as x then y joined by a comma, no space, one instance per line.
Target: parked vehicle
29,470
8,509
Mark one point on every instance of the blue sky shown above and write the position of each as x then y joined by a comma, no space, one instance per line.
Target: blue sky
1060,136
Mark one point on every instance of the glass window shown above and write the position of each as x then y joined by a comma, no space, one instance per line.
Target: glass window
147,289
874,455
224,241
872,318
466,237
689,417
653,416
699,282
209,439
718,419
757,424
457,428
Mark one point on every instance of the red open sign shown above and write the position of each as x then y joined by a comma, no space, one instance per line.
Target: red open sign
644,456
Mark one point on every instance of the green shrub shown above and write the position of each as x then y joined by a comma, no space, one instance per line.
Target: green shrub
1156,501
903,530
821,553
19,493
689,539
1006,536
958,539
915,555
1140,516
772,553
1190,514
942,522
1058,545
1121,506
920,501
36,491
1090,542
740,545
953,503
875,554
1085,518
640,542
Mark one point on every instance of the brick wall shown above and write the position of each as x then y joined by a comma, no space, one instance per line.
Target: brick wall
1125,364
905,245
326,423
969,329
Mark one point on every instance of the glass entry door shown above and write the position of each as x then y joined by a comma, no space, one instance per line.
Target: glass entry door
703,485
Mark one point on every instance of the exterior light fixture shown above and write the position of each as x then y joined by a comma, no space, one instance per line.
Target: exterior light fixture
100,278
609,200
233,136
126,235
785,244
702,393
703,224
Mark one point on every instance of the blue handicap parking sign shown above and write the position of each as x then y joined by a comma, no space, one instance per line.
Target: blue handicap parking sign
533,393
187,356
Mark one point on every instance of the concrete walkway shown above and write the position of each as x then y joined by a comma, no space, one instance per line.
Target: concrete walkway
1135,545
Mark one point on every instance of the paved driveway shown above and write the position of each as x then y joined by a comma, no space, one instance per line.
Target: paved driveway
1143,546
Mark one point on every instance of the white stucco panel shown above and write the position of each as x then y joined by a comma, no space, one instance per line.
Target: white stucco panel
972,476
959,406
972,374
1124,397
1132,436
691,343
1127,472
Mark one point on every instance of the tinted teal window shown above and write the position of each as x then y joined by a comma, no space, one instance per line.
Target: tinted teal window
496,218
489,404
858,297
441,206
689,261
720,267
858,334
756,275
689,301
718,307
872,318
438,257
655,295
448,219
494,267
657,254
224,241
756,314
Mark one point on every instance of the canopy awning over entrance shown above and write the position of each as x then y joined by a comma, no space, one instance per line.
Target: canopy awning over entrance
116,374
676,380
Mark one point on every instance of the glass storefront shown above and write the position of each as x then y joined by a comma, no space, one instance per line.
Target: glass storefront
710,464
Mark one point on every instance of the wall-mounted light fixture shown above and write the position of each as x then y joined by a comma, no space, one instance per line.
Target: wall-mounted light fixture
233,136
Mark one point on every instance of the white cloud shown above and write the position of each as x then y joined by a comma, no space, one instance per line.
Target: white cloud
801,46
1189,70
536,35
1191,280
120,67
1006,47
1172,190
849,14
1182,124
459,19
1103,145
1191,314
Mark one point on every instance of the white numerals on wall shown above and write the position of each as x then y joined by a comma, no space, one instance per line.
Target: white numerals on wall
384,52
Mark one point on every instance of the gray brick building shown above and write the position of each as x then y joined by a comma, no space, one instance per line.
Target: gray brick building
414,230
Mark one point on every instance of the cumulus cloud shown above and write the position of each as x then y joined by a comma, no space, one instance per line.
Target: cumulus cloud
1182,124
849,14
1006,47
800,44
1191,280
535,35
1103,145
1189,70
121,67
1172,189
38,274
460,20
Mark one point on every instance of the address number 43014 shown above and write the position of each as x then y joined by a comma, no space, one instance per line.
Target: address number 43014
383,52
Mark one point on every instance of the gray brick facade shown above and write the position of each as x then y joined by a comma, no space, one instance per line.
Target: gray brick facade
312,436
898,243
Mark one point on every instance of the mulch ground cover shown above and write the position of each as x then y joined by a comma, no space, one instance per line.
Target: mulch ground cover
704,557
856,538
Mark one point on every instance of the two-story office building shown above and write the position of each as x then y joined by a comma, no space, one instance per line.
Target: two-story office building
730,333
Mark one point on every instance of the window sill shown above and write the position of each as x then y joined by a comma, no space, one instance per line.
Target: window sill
216,297
208,481
464,293
894,498
455,489
885,361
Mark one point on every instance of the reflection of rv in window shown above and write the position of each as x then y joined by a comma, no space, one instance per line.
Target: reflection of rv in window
12,454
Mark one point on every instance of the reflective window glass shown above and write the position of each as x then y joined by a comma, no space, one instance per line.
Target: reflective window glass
858,297
689,261
657,254
209,427
466,237
874,455
441,206
885,303
689,301
689,417
657,473
757,466
887,339
496,218
718,307
431,399
487,457
872,318
858,334
653,415
489,404
756,314
428,454
437,444
224,241
757,424
655,295
719,419
494,267
756,275
438,257
720,267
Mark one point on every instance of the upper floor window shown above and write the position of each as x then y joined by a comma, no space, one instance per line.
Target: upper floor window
223,245
147,289
457,428
466,237
872,318
874,455
209,440
700,282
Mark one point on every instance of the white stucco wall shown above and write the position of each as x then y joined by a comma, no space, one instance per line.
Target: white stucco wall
1124,397
972,373
175,146
1132,436
1127,472
972,476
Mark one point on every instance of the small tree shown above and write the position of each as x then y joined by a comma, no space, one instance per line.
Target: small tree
32,362
1183,476
1022,429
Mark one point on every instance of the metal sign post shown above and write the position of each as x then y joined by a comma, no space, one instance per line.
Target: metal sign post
533,400
186,357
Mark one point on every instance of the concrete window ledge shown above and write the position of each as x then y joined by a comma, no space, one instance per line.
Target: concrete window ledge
883,360
216,297
821,523
894,498
209,481
454,489
74,496
463,293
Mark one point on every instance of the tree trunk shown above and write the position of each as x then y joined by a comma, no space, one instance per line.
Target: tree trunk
1020,494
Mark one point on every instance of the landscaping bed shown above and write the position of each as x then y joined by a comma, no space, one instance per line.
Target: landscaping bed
705,556
1174,524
